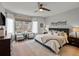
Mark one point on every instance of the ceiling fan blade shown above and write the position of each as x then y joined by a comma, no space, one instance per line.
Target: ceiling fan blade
46,9
41,7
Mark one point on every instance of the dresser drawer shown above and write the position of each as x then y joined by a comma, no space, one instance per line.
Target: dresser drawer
5,47
74,41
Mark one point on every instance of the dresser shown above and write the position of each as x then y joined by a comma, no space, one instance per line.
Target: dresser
4,46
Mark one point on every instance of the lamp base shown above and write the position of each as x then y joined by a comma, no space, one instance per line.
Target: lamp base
76,34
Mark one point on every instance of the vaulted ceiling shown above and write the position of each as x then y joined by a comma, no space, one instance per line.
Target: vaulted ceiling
29,8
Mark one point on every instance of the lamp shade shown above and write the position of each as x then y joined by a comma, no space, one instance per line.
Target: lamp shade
76,29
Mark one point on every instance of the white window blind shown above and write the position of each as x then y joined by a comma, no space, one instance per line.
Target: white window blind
35,27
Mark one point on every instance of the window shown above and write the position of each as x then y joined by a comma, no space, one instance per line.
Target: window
35,27
22,26
10,25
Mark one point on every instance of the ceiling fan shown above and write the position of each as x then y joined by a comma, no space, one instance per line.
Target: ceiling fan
41,7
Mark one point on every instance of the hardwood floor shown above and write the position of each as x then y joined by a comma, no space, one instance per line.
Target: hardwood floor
29,48
32,48
69,50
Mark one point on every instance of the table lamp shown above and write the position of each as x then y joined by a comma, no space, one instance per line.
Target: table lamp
76,29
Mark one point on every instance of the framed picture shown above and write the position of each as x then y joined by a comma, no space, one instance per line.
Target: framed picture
59,23
41,25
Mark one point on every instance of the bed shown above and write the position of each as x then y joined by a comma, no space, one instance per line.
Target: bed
53,41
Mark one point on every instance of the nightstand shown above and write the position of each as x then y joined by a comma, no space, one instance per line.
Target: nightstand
74,41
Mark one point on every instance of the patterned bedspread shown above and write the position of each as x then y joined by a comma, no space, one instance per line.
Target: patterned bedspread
53,41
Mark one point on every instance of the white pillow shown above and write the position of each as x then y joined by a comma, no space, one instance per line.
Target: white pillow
53,32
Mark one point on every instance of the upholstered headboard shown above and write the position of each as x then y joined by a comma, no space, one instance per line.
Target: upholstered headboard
66,30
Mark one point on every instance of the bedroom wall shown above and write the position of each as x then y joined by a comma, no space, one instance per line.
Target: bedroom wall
9,27
1,11
39,20
71,16
2,32
10,22
1,8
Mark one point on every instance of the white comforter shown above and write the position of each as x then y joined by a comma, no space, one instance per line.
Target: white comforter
54,45
52,41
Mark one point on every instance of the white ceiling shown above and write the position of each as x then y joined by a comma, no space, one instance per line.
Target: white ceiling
29,8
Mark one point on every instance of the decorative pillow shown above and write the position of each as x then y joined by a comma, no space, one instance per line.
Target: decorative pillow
53,32
45,32
60,33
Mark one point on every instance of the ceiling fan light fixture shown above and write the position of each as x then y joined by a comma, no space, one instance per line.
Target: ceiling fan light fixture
40,9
